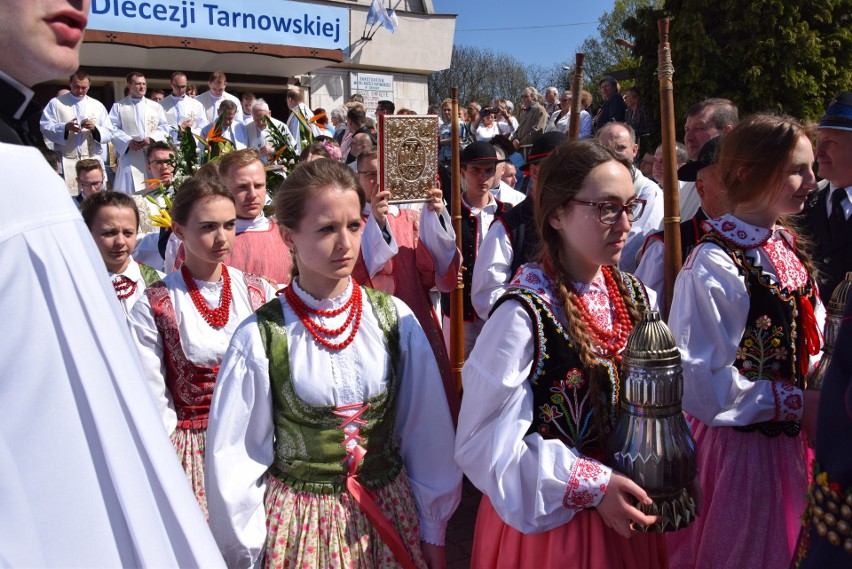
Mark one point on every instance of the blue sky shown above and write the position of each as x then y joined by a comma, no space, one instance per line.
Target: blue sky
545,32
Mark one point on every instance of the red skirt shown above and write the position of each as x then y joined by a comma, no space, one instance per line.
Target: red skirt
583,543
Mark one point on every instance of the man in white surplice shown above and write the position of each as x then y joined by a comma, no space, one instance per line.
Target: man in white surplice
136,122
89,478
78,126
298,110
258,133
212,98
182,110
232,130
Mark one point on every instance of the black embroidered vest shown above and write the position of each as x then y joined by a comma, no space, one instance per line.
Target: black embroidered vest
769,349
523,235
562,407
470,233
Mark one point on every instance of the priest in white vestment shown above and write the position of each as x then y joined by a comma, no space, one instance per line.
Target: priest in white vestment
182,110
212,98
136,122
78,127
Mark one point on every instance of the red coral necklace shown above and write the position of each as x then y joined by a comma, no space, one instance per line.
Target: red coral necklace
215,317
610,341
321,333
124,287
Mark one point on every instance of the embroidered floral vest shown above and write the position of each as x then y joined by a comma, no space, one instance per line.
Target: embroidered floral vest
190,385
308,451
560,384
770,349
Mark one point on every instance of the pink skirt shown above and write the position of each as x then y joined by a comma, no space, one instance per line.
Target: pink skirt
189,444
754,495
583,543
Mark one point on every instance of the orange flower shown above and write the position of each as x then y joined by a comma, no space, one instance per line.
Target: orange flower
316,117
152,184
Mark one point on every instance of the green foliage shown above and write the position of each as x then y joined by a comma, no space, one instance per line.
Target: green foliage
788,56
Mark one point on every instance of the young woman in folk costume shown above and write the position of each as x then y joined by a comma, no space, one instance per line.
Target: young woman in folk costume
746,317
542,384
113,220
183,324
330,440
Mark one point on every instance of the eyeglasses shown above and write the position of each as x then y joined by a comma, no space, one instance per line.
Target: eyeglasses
97,184
610,212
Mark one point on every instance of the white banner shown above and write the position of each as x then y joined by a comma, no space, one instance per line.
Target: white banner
276,22
374,87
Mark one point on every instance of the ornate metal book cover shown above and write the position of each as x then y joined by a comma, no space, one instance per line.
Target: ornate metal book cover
408,156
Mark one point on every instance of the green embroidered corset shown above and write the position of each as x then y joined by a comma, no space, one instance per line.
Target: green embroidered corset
310,453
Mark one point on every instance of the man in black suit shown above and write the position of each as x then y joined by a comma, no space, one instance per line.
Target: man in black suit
827,213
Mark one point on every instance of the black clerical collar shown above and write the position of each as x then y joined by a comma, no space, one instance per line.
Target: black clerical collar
16,99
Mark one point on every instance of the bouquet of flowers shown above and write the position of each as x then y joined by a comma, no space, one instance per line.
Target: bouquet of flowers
215,145
185,163
283,158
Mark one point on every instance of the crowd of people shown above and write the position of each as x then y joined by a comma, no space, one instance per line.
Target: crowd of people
247,388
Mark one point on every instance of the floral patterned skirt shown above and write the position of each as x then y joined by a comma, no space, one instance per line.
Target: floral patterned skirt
189,444
307,530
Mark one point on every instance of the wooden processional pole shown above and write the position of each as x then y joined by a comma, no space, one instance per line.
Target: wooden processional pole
671,211
457,295
576,88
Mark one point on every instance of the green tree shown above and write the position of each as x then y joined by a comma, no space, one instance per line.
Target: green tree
603,54
480,74
788,56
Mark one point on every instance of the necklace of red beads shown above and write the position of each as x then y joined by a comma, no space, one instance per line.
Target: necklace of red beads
322,334
124,287
610,341
215,317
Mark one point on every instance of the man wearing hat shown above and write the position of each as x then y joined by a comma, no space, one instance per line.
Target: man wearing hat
514,240
479,209
703,172
828,208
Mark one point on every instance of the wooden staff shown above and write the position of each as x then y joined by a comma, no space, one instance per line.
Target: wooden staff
671,209
457,295
576,86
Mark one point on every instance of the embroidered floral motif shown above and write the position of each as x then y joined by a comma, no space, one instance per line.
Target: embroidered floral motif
574,411
742,234
586,485
791,272
575,378
788,401
728,226
793,402
531,277
761,351
550,413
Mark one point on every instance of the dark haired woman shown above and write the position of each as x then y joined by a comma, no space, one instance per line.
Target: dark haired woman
183,324
542,383
330,436
113,220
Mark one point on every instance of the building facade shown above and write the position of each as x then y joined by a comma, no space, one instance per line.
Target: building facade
324,47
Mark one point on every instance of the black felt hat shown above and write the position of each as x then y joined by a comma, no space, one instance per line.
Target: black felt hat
707,156
478,152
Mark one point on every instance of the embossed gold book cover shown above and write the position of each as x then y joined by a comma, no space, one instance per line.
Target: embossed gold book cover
408,156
